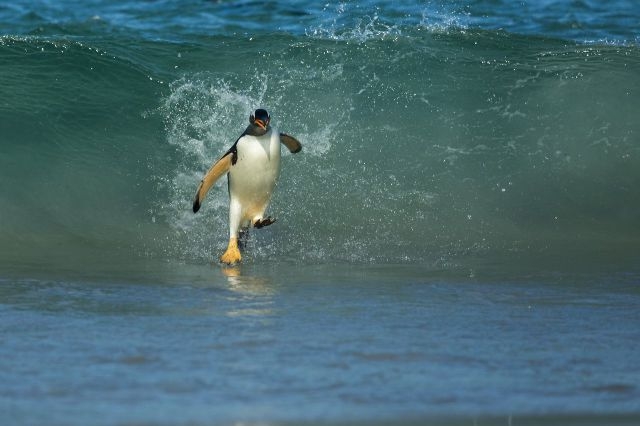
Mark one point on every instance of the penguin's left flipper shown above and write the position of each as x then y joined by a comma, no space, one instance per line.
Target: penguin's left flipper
291,143
221,167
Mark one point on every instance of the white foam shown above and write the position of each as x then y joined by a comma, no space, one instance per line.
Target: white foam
318,143
366,28
370,26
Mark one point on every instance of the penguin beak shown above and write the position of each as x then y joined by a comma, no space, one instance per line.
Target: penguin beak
261,123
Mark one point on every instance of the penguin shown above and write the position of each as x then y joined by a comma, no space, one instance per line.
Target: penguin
252,166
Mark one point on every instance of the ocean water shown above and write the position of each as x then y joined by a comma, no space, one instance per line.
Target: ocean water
458,242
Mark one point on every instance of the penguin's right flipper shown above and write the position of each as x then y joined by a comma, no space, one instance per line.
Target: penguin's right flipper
291,143
221,167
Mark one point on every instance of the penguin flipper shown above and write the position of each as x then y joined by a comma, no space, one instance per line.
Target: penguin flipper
291,143
221,167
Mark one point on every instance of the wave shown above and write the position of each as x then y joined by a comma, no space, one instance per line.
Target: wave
420,156
419,146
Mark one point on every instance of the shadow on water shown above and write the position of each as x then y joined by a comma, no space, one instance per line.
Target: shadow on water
250,284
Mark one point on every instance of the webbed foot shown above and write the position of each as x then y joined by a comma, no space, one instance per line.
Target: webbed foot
232,254
263,222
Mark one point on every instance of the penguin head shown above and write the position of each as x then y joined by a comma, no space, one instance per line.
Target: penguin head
260,121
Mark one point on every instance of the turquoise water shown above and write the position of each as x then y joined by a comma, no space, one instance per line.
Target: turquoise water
458,240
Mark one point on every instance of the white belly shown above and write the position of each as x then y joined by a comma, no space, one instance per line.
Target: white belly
253,178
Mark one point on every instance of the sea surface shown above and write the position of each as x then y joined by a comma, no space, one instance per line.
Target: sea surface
457,243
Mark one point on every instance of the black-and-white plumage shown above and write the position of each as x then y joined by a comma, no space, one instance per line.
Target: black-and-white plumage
252,165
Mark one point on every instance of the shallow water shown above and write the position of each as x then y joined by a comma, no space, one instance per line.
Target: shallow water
324,343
